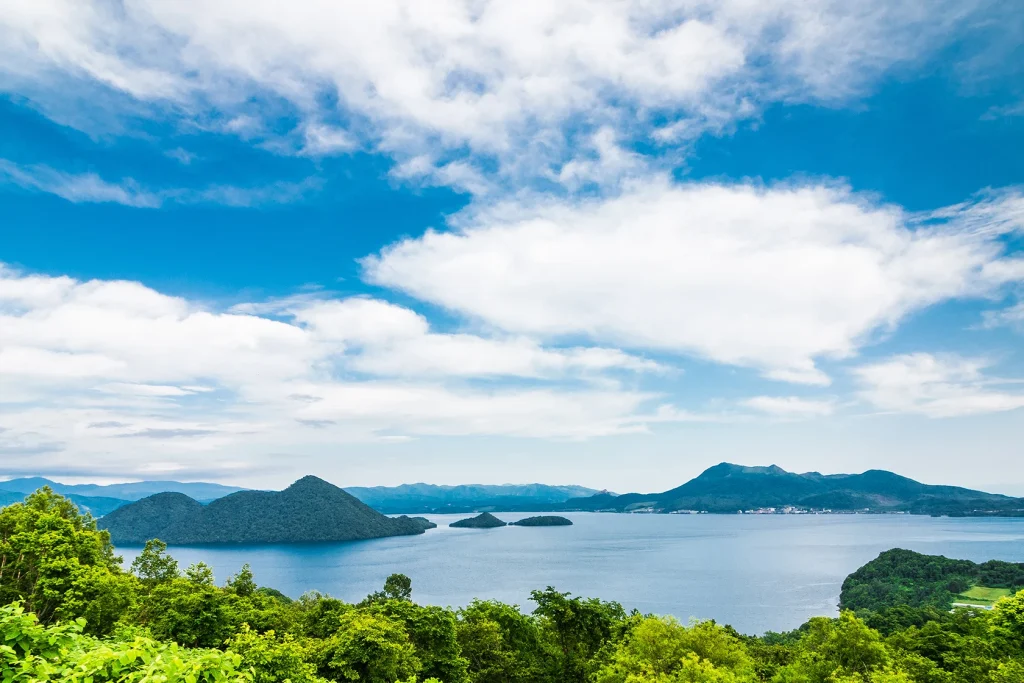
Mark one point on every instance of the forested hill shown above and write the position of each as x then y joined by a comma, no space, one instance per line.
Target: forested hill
905,578
729,488
420,498
310,510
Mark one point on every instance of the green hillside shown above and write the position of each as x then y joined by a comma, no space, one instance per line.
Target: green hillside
728,488
310,510
904,577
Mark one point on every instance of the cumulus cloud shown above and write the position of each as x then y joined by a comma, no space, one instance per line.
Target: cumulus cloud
936,386
101,364
506,81
771,278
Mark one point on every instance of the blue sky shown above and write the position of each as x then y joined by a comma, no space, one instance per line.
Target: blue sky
605,243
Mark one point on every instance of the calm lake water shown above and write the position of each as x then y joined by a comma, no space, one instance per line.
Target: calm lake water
757,573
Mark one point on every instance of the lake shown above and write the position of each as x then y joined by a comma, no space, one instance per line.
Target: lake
756,572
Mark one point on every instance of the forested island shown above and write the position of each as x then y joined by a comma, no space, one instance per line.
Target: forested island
70,612
484,520
310,510
543,520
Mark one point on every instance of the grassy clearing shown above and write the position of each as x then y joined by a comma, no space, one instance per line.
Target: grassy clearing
980,595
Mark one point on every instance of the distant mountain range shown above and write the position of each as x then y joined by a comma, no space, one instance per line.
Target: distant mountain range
201,491
732,488
724,488
424,498
407,498
310,510
97,506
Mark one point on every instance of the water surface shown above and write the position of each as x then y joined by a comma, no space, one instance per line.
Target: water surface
758,573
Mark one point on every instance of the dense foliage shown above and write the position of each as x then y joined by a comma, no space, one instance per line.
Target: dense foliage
309,510
73,614
905,578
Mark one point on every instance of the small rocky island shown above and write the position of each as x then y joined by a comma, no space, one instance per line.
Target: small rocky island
484,520
543,520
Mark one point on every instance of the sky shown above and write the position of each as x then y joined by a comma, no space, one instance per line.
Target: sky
600,242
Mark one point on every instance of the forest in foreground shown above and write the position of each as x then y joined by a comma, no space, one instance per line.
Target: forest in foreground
70,612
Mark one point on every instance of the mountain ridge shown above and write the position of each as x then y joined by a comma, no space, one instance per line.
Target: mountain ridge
730,488
416,498
440,498
130,491
308,511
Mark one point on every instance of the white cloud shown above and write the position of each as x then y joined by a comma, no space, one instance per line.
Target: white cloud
1012,316
509,81
790,406
936,386
92,189
389,340
76,187
770,278
89,368
181,155
322,140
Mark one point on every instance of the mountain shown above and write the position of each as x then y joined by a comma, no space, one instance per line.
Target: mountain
420,498
95,505
201,491
735,488
310,510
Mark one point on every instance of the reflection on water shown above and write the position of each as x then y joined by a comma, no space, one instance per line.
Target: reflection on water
757,573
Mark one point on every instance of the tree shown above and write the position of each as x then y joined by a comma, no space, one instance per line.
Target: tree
243,583
275,659
369,648
433,631
396,587
191,614
154,565
31,652
838,650
660,648
1008,622
499,643
57,561
577,628
200,573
